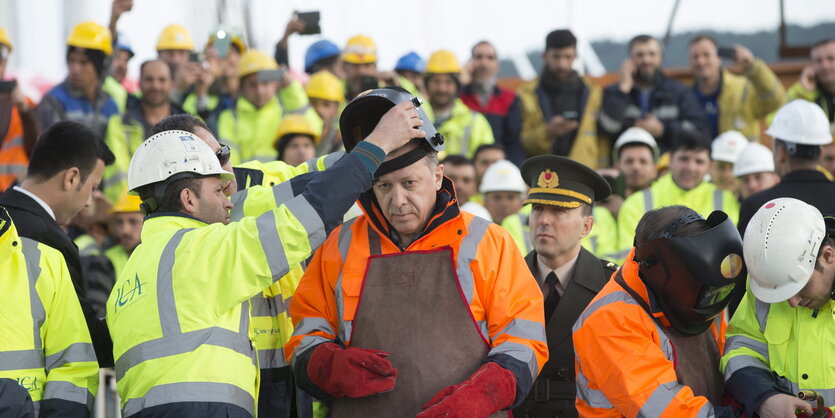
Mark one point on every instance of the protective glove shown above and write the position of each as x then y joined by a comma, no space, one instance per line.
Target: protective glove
826,413
352,372
490,389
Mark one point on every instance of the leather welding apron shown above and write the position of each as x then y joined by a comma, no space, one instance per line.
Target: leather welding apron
697,364
412,307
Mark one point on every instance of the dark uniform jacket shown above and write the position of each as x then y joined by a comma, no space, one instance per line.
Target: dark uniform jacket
809,186
33,222
554,391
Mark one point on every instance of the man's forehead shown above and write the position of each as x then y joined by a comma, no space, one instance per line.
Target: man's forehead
415,170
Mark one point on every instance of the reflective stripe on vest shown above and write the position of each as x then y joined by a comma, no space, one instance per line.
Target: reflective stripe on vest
32,255
648,204
465,139
174,342
718,199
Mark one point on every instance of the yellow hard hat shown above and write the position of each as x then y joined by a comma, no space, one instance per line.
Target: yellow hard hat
663,162
234,37
175,37
295,124
91,35
4,39
443,62
326,86
126,203
253,61
360,49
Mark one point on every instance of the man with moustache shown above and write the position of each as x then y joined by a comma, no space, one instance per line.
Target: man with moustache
562,196
499,105
559,108
645,98
127,131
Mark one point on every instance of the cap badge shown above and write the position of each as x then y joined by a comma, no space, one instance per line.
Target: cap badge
548,178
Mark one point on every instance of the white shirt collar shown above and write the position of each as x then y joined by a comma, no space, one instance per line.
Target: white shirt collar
563,272
36,199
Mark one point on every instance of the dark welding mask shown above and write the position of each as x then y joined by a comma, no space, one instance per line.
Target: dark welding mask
693,277
362,114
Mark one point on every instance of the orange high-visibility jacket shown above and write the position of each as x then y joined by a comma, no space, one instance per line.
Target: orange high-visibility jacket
13,158
625,364
503,296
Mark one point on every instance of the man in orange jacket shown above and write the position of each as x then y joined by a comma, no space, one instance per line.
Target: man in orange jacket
429,309
649,344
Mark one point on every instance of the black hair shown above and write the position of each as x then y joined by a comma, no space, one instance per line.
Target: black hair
181,122
483,42
656,222
485,147
457,160
635,145
822,42
65,145
702,37
641,39
144,64
799,152
560,38
94,55
323,64
691,140
171,199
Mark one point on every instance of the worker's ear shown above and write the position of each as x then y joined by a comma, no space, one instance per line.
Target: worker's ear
439,176
588,224
71,179
188,201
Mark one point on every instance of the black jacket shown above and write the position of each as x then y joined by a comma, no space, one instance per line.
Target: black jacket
810,186
33,222
673,103
554,390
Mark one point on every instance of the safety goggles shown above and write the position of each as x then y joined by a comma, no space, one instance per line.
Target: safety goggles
223,154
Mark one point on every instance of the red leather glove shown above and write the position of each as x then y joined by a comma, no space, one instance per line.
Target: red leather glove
490,389
352,372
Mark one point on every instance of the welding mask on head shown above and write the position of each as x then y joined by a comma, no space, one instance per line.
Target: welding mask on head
693,277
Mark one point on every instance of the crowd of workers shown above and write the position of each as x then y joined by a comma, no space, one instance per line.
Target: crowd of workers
231,240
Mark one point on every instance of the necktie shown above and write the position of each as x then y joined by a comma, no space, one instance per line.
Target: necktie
552,297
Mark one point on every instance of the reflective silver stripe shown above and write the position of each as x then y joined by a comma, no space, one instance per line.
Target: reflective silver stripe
519,352
191,392
267,306
617,255
75,353
762,309
13,168
37,405
632,111
484,330
56,389
608,123
181,344
169,322
271,358
467,253
238,199
343,243
648,203
332,158
740,362
271,245
32,255
740,341
618,296
308,326
243,327
659,400
593,242
16,141
310,220
592,397
522,328
706,411
311,164
465,139
718,199
115,179
666,112
21,360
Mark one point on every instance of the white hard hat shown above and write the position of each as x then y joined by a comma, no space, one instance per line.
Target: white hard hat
636,135
477,210
801,122
727,146
503,176
754,158
781,246
169,153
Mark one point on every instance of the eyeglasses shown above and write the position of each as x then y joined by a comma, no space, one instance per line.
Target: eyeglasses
223,154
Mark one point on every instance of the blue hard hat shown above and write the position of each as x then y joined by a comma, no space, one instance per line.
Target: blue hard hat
319,51
123,43
410,62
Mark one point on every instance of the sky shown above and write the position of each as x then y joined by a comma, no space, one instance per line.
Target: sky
39,27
